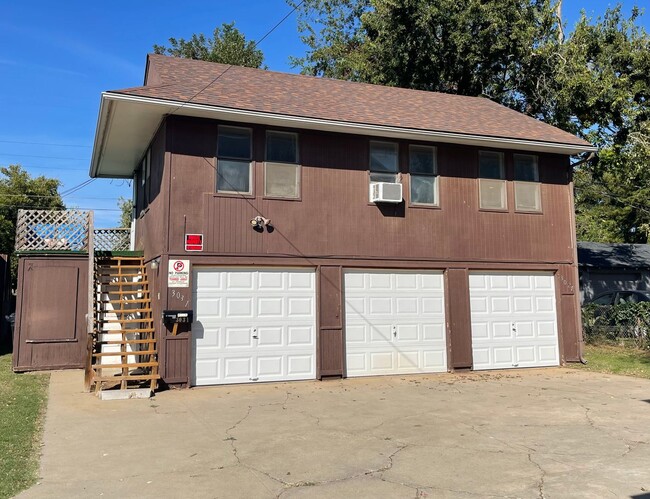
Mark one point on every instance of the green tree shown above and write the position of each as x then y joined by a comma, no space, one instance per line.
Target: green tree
228,46
18,189
126,211
592,82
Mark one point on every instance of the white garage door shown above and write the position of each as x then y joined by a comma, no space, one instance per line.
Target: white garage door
394,323
253,325
514,322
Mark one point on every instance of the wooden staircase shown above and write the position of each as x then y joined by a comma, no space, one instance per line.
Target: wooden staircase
123,355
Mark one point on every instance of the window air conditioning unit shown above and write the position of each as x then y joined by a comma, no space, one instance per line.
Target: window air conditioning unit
385,192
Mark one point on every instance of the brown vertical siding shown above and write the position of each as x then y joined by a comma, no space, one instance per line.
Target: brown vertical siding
52,299
330,324
566,282
333,226
458,319
176,360
151,224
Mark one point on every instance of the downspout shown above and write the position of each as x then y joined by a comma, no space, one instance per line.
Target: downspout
591,156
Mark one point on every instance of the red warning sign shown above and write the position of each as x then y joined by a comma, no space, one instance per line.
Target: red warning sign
193,242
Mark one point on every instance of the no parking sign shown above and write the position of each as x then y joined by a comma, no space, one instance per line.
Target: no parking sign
178,274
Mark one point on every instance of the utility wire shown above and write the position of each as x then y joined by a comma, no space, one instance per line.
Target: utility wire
41,143
34,167
41,157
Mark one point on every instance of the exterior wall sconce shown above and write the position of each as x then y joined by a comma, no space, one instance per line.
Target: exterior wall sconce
154,263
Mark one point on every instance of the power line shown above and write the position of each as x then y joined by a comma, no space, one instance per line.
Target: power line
231,65
6,205
78,187
41,143
41,157
33,167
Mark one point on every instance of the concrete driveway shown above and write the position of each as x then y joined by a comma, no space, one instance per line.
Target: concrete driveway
531,433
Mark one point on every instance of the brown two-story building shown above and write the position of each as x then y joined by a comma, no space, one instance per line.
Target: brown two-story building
321,228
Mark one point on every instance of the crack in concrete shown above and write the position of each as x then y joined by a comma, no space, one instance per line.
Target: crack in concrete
309,483
232,439
542,478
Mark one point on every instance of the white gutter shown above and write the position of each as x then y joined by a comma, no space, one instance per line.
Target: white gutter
230,114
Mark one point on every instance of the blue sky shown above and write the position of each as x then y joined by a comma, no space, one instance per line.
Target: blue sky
57,57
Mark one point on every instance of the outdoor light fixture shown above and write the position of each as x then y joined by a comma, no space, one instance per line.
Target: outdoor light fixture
259,222
154,263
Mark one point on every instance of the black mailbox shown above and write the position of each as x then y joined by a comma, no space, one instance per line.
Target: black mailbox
178,316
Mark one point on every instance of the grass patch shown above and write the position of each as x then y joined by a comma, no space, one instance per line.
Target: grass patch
22,406
616,360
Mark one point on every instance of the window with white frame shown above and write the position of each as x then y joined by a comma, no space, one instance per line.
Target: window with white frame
423,169
234,165
527,186
282,170
384,164
492,180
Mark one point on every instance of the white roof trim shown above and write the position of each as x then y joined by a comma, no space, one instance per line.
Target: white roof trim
159,108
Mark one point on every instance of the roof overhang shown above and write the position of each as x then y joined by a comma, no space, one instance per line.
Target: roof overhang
127,123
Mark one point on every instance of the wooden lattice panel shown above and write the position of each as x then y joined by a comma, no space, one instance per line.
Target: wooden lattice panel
112,239
43,230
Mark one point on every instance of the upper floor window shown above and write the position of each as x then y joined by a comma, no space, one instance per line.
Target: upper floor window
383,162
234,166
492,181
423,168
527,186
281,170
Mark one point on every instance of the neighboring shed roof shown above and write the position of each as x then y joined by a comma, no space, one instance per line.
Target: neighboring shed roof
324,98
613,256
128,117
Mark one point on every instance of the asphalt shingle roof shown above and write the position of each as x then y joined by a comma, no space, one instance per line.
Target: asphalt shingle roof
605,256
303,96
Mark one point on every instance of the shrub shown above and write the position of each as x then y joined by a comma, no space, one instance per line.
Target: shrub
624,324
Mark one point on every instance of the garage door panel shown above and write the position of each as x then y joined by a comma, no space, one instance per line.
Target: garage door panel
356,363
300,366
380,306
301,336
434,360
300,307
515,337
380,333
270,307
546,329
239,307
524,330
253,324
239,281
208,369
271,281
433,332
545,304
238,337
503,356
406,282
407,332
270,337
479,304
548,354
379,281
407,305
500,304
401,317
355,334
498,282
523,304
408,361
501,330
270,366
382,361
239,368
431,282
